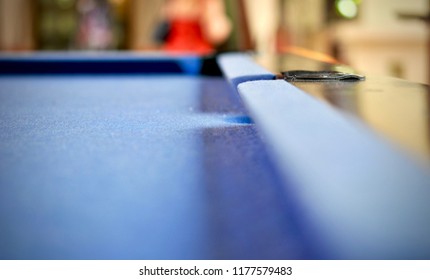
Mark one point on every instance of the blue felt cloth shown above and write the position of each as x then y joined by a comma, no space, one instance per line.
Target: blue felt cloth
138,167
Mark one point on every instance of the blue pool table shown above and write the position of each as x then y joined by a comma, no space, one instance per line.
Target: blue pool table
152,156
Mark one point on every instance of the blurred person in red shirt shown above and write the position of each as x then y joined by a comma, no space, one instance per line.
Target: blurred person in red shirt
195,26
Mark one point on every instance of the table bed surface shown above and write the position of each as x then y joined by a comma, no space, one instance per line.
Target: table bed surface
111,157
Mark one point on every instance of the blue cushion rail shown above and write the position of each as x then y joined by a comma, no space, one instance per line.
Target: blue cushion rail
365,198
92,63
239,68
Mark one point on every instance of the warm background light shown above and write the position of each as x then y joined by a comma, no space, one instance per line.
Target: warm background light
372,36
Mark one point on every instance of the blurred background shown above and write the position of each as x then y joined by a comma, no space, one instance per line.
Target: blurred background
377,37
